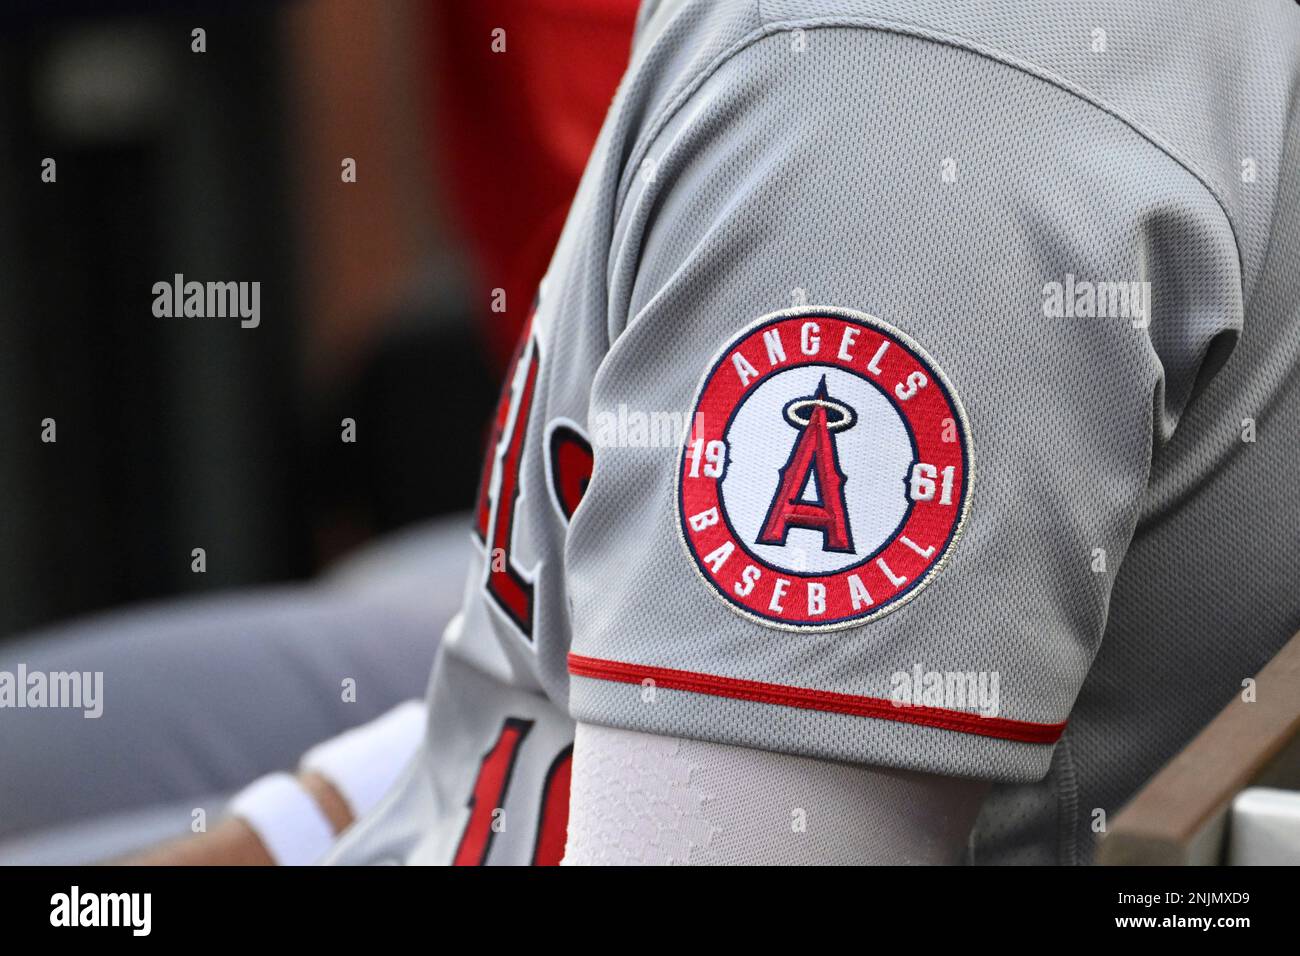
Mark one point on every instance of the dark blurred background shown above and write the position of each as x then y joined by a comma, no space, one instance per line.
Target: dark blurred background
224,165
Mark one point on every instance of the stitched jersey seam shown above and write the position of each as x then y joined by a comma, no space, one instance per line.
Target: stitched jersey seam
955,41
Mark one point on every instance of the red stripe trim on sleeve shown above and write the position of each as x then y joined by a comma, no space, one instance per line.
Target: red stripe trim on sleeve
808,699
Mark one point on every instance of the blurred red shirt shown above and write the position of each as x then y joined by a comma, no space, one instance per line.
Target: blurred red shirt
514,130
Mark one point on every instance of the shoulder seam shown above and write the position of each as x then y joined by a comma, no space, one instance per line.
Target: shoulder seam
770,28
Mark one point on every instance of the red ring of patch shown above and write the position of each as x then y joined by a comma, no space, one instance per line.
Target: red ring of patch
931,412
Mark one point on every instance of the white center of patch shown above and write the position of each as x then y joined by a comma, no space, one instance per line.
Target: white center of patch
875,455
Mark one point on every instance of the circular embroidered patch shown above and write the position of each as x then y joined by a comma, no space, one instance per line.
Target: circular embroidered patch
827,473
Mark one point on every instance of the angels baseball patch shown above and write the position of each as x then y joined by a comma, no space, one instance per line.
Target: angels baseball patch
828,471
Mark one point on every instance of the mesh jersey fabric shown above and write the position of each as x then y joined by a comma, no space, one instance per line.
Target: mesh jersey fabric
1128,558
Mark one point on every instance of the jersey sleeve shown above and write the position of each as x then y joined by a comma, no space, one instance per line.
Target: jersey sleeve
896,329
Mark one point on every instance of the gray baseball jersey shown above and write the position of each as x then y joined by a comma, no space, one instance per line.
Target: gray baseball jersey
924,374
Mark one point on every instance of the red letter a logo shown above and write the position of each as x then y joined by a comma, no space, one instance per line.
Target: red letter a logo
813,458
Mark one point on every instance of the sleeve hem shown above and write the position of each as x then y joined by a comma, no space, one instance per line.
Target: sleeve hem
809,722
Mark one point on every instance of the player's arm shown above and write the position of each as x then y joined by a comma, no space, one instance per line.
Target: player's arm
866,266
293,819
234,842
646,799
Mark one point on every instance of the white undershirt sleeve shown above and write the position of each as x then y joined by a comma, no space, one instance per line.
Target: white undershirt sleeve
645,799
